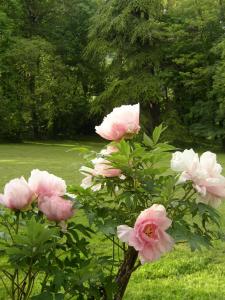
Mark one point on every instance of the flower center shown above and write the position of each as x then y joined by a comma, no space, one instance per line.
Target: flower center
149,230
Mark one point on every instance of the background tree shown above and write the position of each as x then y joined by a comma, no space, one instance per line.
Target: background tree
129,37
196,28
46,81
163,54
64,64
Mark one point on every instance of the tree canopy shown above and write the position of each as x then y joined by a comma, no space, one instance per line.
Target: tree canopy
64,64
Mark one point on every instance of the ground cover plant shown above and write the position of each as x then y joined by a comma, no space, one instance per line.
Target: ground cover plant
137,203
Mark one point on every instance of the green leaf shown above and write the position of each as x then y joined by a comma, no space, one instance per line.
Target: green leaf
85,230
124,148
148,141
157,133
109,227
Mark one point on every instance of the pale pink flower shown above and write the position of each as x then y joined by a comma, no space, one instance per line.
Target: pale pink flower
102,166
186,162
149,235
87,181
17,194
56,208
122,122
204,172
109,150
210,183
46,184
86,170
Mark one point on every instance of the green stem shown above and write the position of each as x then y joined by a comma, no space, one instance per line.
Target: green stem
15,275
112,240
17,221
8,228
30,281
44,281
113,255
5,286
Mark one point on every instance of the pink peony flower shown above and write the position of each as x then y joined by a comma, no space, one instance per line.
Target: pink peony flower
46,184
204,172
149,235
56,208
17,194
122,122
102,166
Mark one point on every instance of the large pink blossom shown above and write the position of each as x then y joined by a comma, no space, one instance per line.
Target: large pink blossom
149,235
17,194
204,172
46,184
122,122
56,208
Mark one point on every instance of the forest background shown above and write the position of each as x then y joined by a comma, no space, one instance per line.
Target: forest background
64,64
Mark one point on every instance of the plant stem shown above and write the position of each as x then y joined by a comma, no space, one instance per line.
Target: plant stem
17,221
125,272
44,281
6,288
30,281
113,255
15,275
114,242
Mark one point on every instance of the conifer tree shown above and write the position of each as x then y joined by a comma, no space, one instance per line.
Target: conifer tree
129,36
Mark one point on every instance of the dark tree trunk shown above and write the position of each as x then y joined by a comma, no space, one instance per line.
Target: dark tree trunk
33,109
155,115
125,272
223,143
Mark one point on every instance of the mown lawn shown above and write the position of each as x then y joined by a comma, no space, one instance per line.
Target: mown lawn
181,275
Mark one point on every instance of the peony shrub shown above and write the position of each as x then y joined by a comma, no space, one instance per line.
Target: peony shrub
136,203
43,246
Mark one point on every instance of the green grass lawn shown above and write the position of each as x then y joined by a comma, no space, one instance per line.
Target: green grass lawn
63,160
181,275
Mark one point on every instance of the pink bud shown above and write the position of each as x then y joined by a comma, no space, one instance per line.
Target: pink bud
102,166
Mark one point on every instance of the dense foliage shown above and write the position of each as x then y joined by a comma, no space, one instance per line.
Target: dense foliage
45,80
169,56
63,64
